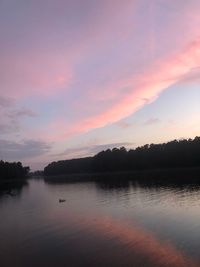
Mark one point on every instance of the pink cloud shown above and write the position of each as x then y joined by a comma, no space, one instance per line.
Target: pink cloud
48,66
33,73
45,62
143,89
149,86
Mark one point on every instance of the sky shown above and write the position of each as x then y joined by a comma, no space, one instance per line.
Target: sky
80,76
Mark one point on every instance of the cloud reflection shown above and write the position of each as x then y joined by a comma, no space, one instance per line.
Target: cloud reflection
141,243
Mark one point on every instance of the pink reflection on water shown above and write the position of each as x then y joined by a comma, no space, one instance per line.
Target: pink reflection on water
142,244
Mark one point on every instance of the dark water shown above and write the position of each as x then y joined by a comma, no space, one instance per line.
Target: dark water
122,224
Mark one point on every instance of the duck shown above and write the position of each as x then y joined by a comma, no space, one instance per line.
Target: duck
62,200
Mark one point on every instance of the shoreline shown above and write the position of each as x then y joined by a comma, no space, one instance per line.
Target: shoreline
158,174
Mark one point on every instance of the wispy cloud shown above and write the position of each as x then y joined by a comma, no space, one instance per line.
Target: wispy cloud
82,66
11,116
124,124
14,151
90,150
21,112
6,101
152,121
143,90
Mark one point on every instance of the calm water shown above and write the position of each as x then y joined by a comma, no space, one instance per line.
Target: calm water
128,224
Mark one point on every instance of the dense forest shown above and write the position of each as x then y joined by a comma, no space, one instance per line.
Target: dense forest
13,170
174,154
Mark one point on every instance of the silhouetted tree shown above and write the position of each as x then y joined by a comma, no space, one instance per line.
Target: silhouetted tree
13,170
174,154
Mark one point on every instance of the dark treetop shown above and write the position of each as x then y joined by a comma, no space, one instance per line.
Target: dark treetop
174,154
12,170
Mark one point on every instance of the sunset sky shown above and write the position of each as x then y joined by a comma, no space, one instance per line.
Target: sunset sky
80,76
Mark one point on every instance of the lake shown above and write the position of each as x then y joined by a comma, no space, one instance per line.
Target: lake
100,224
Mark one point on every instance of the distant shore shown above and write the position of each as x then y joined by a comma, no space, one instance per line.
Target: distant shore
169,174
176,154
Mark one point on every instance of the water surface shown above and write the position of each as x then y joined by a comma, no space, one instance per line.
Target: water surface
100,224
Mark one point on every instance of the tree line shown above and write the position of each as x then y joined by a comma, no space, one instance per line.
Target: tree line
173,154
13,170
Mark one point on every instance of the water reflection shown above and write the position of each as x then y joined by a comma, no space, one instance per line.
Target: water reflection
101,223
12,188
155,184
144,248
118,185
